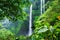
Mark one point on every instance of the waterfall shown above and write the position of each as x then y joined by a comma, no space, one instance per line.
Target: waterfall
30,21
42,8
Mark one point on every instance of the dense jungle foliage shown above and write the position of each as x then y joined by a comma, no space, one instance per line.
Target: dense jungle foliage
13,9
46,27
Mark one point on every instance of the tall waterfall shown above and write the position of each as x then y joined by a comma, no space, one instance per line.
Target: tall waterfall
42,8
30,21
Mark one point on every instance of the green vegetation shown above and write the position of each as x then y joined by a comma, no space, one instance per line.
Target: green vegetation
46,27
6,34
13,9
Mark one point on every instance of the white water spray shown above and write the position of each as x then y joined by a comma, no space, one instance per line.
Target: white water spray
42,6
30,21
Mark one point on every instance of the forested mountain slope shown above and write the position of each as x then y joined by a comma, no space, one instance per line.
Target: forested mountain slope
47,26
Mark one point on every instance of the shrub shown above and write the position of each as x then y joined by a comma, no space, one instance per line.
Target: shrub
6,34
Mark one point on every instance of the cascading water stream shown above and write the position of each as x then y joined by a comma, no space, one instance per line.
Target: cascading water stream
30,21
42,8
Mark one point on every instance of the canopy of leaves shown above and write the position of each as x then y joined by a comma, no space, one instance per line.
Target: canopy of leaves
12,9
47,26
